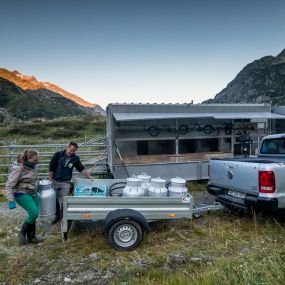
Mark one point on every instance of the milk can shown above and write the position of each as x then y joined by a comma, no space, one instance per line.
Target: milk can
47,198
145,182
133,188
157,188
177,187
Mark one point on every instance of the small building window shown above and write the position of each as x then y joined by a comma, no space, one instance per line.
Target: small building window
155,147
198,145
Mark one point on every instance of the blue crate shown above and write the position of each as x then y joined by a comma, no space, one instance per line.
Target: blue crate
90,190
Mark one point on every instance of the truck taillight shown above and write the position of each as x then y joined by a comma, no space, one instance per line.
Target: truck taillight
266,182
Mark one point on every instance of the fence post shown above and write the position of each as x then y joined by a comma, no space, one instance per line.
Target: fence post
11,151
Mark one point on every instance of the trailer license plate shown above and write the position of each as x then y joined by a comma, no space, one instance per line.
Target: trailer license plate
236,194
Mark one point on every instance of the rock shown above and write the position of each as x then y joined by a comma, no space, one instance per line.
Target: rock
67,279
171,239
205,257
174,260
201,257
177,257
93,255
209,263
196,259
141,262
108,276
244,250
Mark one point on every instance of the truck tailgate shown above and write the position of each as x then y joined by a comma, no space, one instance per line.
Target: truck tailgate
235,175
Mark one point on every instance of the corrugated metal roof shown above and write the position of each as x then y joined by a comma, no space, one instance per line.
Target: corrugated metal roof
154,116
248,115
232,115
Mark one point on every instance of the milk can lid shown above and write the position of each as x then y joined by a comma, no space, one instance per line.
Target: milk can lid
144,176
158,180
45,182
178,180
134,179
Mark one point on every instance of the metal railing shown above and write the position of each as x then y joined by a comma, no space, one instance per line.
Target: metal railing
92,154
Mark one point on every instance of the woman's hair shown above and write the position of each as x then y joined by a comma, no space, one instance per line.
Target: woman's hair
28,153
19,158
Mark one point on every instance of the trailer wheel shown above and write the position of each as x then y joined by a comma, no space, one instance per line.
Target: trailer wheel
125,235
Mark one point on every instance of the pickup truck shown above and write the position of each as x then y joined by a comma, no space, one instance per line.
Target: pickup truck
254,182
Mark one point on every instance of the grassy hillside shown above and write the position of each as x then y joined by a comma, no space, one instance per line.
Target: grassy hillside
29,104
52,131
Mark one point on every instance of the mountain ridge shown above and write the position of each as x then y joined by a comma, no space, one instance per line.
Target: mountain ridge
261,81
27,82
24,97
30,104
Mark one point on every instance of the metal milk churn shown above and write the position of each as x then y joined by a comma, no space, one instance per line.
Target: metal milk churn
133,188
157,188
177,187
47,198
145,182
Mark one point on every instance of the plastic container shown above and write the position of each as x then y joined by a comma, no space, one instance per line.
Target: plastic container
90,190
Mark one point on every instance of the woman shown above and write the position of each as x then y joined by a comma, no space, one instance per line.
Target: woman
21,187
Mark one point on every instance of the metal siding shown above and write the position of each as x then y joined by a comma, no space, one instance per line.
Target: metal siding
151,208
231,115
187,170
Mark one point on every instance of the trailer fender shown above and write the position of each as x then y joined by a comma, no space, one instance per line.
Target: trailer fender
125,214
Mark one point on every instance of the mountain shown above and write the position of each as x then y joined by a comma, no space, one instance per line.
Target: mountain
29,104
261,81
24,97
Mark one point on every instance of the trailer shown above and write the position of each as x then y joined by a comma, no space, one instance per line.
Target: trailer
125,220
180,139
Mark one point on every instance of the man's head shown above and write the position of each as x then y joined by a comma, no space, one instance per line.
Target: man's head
71,148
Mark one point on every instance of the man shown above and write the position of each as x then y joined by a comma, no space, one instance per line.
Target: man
60,172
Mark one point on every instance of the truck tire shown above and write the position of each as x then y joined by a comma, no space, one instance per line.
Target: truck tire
125,235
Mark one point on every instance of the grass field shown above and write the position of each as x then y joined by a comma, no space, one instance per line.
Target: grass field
217,248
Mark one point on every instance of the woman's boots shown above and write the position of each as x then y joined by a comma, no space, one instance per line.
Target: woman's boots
27,234
31,234
22,236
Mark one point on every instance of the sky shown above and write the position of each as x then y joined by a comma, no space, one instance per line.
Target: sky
164,51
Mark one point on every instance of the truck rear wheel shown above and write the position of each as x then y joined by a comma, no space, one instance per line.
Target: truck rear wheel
125,235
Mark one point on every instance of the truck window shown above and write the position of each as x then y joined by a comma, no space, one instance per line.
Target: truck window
273,146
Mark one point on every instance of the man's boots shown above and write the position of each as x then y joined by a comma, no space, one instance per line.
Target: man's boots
56,220
31,234
22,236
57,214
